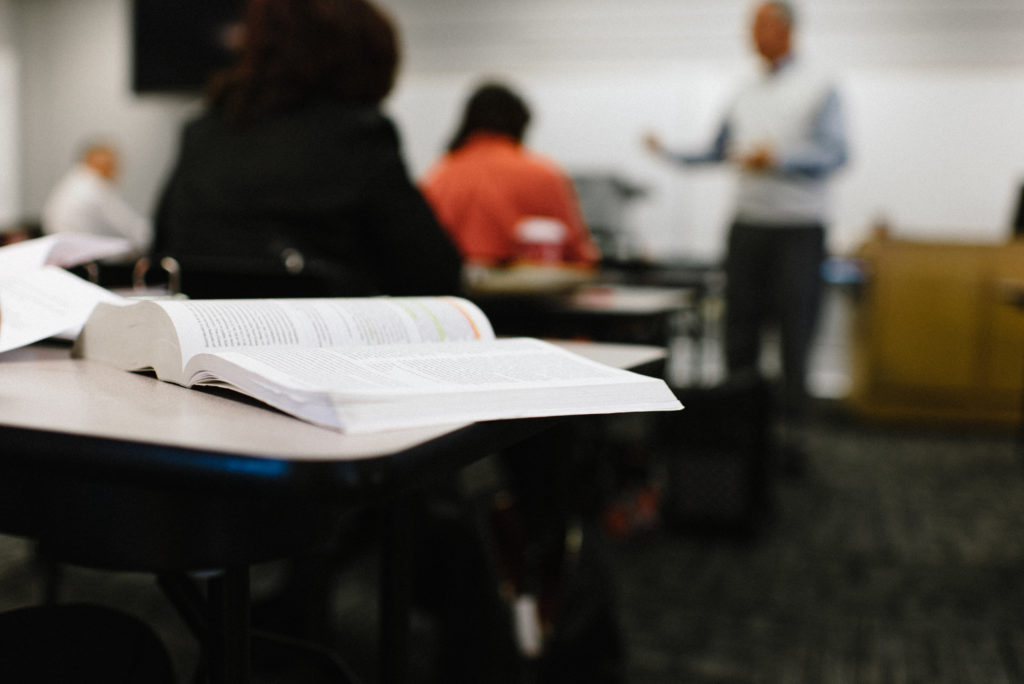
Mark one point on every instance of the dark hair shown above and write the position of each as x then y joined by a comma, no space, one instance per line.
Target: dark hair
493,108
297,51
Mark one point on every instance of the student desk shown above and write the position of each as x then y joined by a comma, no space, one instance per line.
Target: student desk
116,470
603,312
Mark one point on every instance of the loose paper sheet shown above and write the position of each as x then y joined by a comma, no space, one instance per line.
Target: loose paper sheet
46,302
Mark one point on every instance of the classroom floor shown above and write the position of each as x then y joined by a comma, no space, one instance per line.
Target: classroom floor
898,557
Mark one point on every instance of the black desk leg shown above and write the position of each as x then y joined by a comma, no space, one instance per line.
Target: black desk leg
228,636
219,619
395,593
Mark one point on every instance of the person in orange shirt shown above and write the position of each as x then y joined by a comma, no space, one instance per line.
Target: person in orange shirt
502,204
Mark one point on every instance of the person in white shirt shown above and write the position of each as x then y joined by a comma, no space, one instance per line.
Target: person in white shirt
86,201
785,135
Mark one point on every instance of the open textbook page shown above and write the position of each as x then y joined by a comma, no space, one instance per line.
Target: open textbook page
365,364
364,389
164,335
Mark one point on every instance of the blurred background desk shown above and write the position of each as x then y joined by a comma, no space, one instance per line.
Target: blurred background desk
632,303
933,337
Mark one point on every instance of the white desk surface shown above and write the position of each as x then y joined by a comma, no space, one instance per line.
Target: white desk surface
42,388
629,299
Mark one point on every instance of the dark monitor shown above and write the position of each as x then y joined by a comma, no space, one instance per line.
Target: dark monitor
178,44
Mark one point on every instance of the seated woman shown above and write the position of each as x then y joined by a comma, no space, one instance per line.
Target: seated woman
513,214
292,181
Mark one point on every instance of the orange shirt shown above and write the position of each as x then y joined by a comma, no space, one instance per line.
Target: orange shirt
484,191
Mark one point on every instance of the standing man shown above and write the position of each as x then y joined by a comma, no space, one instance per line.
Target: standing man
784,132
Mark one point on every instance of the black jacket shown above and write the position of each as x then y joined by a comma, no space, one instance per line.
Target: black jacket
314,202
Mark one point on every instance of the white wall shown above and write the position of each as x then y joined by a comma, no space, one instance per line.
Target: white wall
10,205
75,85
934,92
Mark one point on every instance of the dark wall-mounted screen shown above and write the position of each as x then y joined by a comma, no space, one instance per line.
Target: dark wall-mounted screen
177,44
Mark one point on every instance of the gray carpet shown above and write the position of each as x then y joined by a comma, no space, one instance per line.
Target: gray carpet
898,557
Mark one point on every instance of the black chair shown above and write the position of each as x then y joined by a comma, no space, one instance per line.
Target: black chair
80,642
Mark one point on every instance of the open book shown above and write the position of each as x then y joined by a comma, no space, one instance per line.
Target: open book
363,364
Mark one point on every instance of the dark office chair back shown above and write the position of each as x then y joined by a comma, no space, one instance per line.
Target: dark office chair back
1018,216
